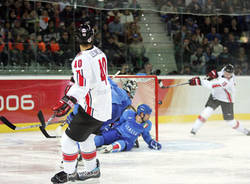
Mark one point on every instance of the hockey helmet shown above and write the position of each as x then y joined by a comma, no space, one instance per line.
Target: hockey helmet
144,108
229,68
130,86
84,33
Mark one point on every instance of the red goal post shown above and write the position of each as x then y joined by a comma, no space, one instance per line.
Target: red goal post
146,93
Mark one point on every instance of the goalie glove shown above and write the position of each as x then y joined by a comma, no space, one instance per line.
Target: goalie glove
64,105
212,75
154,145
195,81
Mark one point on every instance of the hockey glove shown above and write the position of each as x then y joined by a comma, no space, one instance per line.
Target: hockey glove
64,105
195,81
212,75
154,145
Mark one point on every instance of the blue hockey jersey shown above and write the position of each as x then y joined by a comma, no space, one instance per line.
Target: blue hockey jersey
119,95
130,129
120,101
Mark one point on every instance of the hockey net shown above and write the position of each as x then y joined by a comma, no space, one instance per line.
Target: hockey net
146,93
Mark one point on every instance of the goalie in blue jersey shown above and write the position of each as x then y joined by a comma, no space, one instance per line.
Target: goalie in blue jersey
121,100
122,136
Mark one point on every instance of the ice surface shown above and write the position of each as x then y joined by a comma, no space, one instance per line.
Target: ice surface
216,155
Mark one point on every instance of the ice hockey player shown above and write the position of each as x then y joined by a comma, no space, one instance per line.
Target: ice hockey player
121,100
130,126
92,92
222,85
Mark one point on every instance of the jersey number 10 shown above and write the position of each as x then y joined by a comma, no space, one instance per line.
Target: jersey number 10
103,69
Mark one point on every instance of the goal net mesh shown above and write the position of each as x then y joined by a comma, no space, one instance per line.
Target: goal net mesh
146,93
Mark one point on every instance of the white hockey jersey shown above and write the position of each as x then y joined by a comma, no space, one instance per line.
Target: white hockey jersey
222,88
91,88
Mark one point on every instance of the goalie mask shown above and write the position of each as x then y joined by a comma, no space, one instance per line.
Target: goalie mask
144,108
130,86
84,34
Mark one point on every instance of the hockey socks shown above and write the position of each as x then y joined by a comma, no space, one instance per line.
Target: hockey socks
205,114
70,153
88,152
118,146
237,126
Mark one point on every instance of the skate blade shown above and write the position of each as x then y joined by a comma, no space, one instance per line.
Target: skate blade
88,181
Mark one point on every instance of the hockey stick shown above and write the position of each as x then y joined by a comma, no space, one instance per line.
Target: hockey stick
14,127
59,128
175,85
43,124
117,73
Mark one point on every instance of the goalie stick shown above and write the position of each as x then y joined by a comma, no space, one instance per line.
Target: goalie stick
5,121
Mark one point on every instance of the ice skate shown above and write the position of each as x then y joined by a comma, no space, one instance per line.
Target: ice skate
193,132
137,145
248,132
106,149
95,173
63,177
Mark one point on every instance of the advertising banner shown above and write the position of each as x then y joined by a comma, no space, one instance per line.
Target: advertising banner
21,99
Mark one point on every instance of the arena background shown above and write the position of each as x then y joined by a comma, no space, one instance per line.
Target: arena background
37,43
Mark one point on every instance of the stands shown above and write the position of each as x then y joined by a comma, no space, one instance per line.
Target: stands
38,37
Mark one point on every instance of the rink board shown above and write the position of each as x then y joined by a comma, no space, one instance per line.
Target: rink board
23,96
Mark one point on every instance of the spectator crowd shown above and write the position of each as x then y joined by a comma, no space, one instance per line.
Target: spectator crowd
34,32
203,42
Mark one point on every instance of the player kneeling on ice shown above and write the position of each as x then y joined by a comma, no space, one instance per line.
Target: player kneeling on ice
122,136
222,85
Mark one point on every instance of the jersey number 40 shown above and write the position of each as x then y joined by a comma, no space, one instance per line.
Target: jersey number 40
103,71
